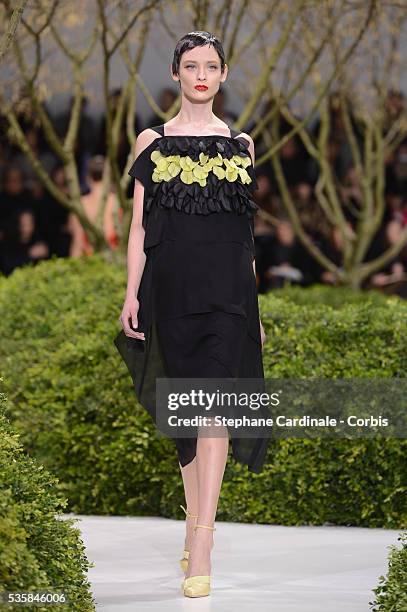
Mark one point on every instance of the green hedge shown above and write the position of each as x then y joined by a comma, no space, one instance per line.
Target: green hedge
336,297
38,550
74,404
391,592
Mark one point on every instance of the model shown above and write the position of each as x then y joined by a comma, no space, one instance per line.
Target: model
191,265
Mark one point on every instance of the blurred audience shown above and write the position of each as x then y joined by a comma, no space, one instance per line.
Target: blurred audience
35,225
21,244
86,140
14,195
123,144
46,158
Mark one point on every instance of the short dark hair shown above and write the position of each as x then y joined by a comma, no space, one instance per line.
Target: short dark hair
197,39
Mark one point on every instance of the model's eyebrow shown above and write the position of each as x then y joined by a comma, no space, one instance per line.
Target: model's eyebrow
194,62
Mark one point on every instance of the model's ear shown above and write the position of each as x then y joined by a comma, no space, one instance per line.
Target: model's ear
174,77
224,74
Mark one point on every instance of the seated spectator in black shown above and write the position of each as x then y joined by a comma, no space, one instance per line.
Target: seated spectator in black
21,244
395,208
4,149
400,167
315,225
394,107
14,195
351,195
333,249
28,119
304,195
63,231
329,242
123,147
294,158
263,227
392,275
166,99
86,140
313,218
333,154
46,158
281,260
391,178
294,162
263,196
263,243
340,151
402,215
53,218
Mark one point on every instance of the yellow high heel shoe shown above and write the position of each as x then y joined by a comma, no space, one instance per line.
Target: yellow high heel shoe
197,586
184,561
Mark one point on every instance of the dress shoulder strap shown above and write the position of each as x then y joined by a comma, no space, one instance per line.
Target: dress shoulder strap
159,129
234,132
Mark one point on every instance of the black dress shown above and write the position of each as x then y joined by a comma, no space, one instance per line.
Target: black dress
198,304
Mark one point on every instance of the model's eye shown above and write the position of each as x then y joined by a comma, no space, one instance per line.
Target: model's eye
189,66
213,67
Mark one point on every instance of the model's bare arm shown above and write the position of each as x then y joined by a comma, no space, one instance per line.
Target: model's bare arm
136,257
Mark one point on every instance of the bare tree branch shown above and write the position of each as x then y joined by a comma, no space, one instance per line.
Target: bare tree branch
15,19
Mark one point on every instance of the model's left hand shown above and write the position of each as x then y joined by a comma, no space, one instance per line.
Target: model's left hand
262,334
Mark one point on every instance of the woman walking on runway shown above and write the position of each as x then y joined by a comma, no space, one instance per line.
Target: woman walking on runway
191,307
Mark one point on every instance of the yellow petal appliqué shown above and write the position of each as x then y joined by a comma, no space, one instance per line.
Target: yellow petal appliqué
174,169
162,164
219,172
155,156
199,172
187,177
190,171
231,174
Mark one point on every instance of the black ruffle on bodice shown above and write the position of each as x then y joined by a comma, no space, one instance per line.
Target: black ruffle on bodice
193,146
218,194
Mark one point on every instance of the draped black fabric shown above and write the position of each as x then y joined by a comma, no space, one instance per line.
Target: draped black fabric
197,297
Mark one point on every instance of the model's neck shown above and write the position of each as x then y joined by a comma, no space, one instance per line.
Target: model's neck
195,115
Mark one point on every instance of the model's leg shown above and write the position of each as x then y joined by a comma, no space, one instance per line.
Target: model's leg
190,480
211,456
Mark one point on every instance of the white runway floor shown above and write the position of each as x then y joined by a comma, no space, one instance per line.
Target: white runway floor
263,568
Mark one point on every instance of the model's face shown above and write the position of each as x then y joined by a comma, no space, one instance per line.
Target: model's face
200,66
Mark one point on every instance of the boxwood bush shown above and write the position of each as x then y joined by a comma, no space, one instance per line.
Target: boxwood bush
336,297
38,550
74,404
391,592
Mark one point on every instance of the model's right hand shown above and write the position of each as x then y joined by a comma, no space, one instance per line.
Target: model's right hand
129,317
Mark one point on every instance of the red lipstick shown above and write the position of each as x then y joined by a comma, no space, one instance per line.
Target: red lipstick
201,87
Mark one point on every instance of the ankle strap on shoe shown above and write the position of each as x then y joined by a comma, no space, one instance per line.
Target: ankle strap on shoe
205,527
187,513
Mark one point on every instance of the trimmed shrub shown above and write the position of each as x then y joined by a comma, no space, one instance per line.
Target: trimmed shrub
336,297
391,592
74,404
38,550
